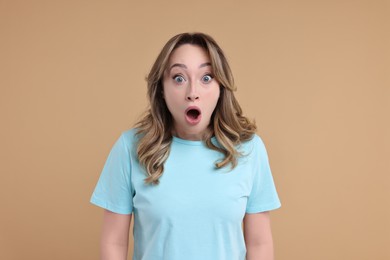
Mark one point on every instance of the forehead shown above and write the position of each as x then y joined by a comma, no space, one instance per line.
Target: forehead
189,54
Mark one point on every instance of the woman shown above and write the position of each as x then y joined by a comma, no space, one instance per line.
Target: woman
192,170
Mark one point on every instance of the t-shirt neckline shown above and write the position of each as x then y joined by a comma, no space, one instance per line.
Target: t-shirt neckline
191,142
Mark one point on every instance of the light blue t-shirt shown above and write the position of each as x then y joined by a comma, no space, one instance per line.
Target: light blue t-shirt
197,210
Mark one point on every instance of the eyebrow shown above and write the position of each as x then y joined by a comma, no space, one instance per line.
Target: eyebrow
180,65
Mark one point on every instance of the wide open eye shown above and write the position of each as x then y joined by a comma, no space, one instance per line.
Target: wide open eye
178,78
207,78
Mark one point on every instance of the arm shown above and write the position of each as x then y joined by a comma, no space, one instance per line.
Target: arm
115,236
258,236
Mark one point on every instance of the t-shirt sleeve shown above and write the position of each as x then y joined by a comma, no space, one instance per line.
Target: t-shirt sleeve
114,190
263,196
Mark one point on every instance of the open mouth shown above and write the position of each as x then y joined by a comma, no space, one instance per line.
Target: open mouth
193,115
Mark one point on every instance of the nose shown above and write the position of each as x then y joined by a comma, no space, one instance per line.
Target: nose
192,97
192,93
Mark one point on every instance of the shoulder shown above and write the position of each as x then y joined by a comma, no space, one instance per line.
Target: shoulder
253,145
129,137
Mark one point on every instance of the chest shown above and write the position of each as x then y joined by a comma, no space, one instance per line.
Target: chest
192,186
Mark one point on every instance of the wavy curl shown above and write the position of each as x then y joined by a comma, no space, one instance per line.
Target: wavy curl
227,123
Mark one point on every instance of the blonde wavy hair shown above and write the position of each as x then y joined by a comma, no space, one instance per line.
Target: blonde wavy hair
227,123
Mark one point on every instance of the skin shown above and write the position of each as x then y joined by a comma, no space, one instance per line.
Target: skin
115,236
187,82
258,236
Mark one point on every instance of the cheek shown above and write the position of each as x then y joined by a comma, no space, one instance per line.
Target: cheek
171,99
214,96
213,100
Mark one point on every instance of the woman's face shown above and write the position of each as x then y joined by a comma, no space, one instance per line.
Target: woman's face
190,91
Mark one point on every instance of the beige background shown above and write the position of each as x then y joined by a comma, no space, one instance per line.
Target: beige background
314,75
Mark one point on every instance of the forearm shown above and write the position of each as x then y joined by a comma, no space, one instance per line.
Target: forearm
113,252
260,252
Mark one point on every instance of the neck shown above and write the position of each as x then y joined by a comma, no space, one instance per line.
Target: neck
188,136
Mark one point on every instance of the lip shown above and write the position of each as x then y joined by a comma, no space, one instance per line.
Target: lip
190,120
